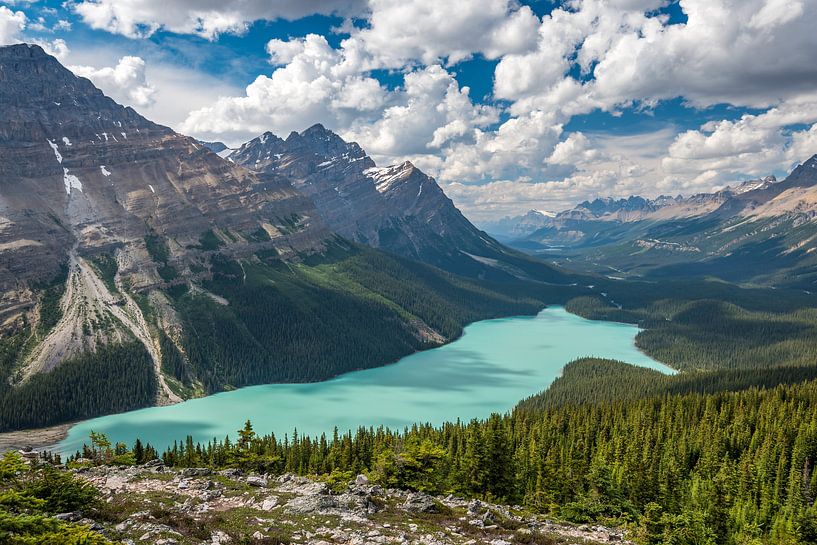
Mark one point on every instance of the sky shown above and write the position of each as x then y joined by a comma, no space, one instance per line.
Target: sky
510,105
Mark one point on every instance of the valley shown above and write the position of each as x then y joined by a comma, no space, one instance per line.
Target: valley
292,321
760,232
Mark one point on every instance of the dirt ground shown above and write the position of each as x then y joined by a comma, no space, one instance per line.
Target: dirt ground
36,438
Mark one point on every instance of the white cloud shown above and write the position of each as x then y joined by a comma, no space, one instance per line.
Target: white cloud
572,151
402,32
775,13
431,111
310,89
753,145
588,55
206,18
126,82
12,24
12,27
284,51
177,89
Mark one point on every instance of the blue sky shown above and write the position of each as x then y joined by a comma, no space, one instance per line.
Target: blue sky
511,105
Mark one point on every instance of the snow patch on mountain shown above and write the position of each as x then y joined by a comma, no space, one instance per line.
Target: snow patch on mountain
387,177
56,149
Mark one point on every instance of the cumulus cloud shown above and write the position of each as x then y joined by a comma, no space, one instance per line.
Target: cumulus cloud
126,82
310,89
754,144
431,111
12,24
428,31
206,18
56,47
585,56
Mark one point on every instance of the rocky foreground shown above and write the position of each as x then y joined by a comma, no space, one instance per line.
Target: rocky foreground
156,505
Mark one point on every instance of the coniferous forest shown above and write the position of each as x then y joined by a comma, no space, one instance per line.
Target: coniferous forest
685,468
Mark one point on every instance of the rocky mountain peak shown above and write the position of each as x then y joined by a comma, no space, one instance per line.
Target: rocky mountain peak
43,99
315,148
396,207
83,176
385,178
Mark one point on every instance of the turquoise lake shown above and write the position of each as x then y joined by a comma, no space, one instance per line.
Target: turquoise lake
489,369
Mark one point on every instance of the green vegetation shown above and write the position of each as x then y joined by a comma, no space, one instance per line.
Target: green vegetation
111,379
726,468
353,308
106,267
160,253
157,248
49,304
30,496
591,380
710,334
208,241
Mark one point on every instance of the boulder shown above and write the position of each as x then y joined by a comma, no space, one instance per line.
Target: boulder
311,504
259,482
421,503
196,472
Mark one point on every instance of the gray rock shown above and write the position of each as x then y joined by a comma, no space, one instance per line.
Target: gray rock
362,480
311,504
421,503
254,480
69,517
196,472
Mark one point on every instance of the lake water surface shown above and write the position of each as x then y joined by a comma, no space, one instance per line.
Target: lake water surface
489,369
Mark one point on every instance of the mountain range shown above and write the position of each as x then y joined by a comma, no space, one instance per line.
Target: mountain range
141,266
760,231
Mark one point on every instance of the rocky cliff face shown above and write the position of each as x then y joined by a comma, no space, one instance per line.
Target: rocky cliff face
78,169
397,208
81,176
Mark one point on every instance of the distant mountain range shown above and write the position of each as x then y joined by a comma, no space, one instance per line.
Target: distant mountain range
761,231
140,266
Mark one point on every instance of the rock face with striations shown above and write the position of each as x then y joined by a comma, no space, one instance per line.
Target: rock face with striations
76,167
397,208
81,175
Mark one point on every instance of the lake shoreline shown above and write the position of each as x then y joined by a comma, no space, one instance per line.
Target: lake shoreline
36,438
49,437
503,360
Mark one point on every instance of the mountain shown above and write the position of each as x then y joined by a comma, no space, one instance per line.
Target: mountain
83,177
761,231
137,266
396,208
515,227
219,148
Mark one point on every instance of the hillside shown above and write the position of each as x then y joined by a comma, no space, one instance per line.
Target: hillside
140,267
396,208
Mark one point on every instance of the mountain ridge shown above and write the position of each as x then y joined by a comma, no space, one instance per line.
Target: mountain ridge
397,208
761,231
